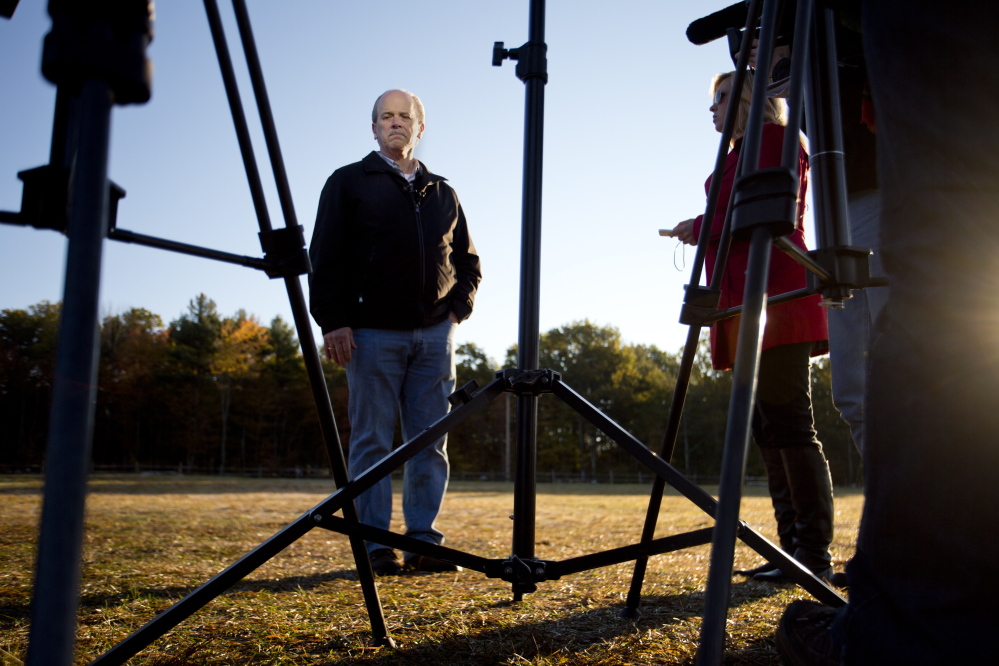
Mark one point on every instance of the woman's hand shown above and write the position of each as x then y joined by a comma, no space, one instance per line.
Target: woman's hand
685,232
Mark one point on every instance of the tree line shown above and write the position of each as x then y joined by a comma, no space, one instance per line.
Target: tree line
214,393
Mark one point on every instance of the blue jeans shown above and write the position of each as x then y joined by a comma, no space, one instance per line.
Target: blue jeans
407,374
923,584
851,329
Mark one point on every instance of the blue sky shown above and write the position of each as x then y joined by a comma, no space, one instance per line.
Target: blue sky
628,144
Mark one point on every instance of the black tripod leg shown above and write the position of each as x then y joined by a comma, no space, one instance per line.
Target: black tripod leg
317,380
212,588
792,568
635,448
690,349
532,70
737,432
342,499
57,576
669,443
334,450
695,494
525,483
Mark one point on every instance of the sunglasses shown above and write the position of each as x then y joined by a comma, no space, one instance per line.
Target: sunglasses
719,96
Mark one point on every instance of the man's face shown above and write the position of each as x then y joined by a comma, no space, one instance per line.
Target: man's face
396,129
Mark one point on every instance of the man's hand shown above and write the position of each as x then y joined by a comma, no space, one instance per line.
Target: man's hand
453,317
338,345
685,232
779,53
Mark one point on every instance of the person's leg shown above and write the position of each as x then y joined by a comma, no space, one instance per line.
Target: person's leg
375,377
780,494
784,403
780,499
923,584
429,381
850,329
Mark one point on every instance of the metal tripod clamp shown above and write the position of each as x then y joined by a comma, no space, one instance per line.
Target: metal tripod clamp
464,394
284,252
524,573
850,269
699,304
529,382
532,59
45,200
767,197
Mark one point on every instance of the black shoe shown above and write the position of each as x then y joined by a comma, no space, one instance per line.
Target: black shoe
775,576
429,564
384,562
838,579
763,568
778,577
804,635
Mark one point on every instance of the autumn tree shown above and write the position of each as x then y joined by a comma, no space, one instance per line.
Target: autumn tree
478,444
27,361
277,396
238,350
193,341
187,393
129,418
631,384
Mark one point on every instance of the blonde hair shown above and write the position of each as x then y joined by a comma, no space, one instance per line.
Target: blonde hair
775,111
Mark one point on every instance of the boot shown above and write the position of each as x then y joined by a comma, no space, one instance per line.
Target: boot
780,497
811,493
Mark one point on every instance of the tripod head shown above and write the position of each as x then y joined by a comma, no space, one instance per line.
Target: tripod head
838,266
106,40
732,20
88,40
7,8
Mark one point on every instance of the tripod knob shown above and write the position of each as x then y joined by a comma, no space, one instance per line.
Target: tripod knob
499,54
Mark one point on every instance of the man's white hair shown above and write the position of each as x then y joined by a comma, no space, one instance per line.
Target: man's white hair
420,113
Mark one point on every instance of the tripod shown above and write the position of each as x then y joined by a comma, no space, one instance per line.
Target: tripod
284,257
762,212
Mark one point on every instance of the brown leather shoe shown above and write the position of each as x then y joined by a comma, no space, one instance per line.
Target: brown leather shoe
429,564
384,562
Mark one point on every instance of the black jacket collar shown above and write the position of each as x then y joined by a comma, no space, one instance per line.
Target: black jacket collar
373,163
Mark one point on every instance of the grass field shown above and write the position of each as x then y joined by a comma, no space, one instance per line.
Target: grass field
152,539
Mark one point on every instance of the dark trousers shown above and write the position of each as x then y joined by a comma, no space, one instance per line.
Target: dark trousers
783,414
797,471
923,584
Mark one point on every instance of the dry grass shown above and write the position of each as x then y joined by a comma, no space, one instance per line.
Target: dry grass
152,539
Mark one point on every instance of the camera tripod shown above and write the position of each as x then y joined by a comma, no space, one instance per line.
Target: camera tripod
85,98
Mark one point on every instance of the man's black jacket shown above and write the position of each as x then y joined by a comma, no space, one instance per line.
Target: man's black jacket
387,254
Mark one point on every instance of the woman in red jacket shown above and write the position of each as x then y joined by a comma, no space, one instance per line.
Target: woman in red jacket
783,426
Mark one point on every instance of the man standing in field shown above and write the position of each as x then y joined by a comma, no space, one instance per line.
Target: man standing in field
394,272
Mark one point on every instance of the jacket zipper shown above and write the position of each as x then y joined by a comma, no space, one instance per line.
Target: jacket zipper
419,237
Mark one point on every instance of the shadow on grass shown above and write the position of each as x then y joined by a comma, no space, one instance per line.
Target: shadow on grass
291,583
13,610
302,583
571,635
577,637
